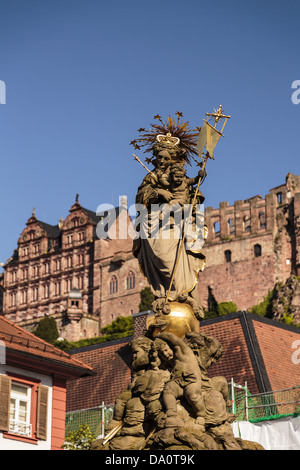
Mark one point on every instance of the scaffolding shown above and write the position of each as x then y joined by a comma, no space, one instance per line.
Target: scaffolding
97,419
263,406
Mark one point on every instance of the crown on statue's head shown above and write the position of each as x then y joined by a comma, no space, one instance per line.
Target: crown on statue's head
173,134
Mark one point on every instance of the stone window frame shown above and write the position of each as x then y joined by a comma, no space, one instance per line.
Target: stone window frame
257,249
130,280
113,284
228,256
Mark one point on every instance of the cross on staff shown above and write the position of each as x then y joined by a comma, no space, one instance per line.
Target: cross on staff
217,115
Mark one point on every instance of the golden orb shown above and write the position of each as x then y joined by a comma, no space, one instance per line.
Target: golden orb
179,321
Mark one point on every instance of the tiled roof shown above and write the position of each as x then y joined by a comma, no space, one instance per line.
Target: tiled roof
277,346
18,340
111,362
236,361
257,350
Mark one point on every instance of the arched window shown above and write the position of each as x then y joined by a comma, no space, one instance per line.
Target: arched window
130,280
257,250
228,256
113,285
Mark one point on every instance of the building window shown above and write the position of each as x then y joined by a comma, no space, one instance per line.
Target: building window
262,220
12,299
79,282
46,291
31,234
36,249
26,251
279,198
80,258
217,228
69,262
24,408
35,294
69,239
113,285
19,411
80,236
25,273
257,250
57,265
130,280
227,256
24,297
247,223
68,285
57,288
35,271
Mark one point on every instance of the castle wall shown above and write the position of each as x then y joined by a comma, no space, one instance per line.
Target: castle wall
251,245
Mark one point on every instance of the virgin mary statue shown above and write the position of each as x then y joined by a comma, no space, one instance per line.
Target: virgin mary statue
169,226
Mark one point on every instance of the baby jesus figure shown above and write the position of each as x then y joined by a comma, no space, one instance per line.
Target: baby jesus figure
178,186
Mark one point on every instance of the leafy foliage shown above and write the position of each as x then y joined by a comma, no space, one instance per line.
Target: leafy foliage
119,326
216,309
264,308
80,439
47,329
146,299
224,308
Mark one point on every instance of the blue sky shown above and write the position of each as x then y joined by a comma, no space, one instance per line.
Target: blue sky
82,76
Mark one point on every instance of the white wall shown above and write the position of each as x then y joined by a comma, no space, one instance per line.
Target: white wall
275,434
12,444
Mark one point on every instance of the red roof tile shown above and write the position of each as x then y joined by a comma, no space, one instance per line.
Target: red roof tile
18,340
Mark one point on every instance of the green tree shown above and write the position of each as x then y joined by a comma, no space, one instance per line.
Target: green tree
80,439
264,308
119,327
47,329
224,308
146,299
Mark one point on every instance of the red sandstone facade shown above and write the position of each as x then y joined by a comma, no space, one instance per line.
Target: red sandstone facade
67,272
86,282
252,245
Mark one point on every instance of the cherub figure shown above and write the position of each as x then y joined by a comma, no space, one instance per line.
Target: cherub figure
179,185
207,351
185,379
140,348
150,385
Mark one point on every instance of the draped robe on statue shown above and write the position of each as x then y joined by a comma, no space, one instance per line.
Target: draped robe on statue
158,245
